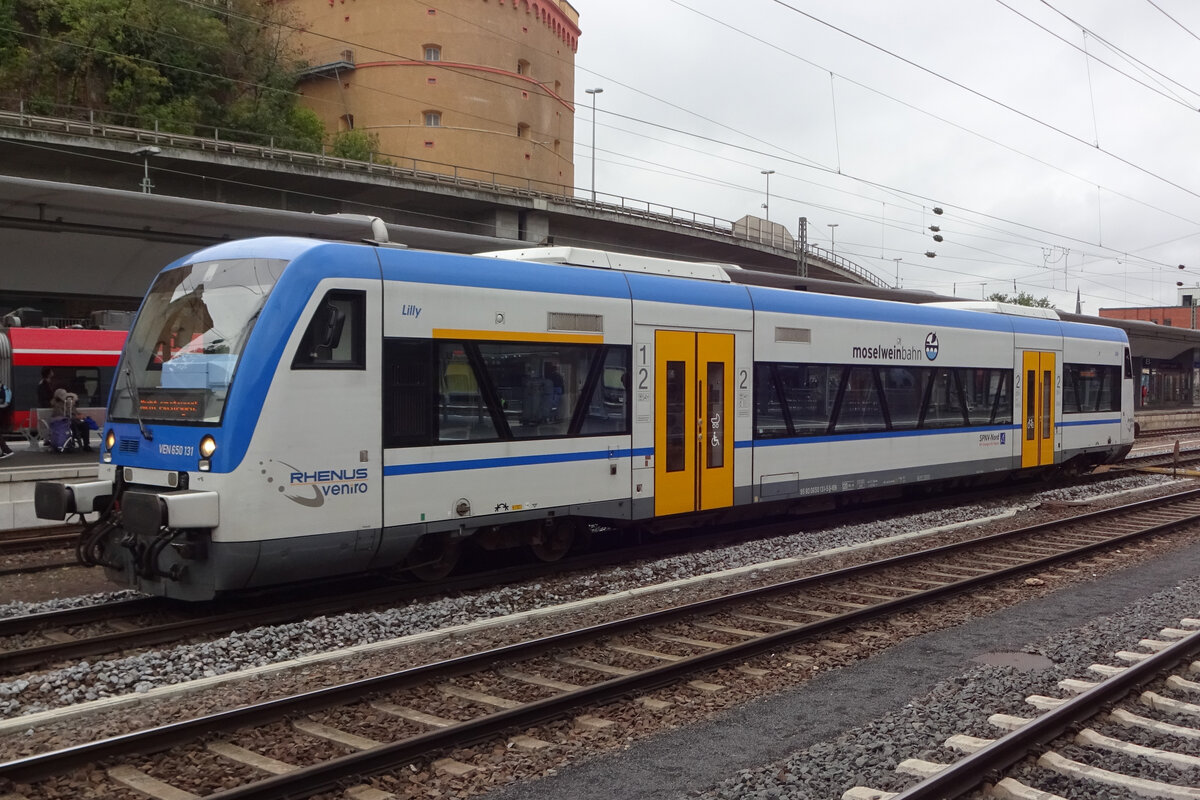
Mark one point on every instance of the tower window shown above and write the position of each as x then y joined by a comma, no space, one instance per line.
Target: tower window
522,67
433,119
433,52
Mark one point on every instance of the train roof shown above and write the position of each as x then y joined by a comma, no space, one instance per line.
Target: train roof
675,281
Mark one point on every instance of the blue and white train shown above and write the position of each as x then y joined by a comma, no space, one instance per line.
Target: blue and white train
287,409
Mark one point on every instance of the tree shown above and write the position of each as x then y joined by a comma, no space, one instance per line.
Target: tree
185,67
1021,299
358,145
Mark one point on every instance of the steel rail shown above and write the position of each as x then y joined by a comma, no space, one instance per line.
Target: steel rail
330,773
17,540
30,569
358,598
100,612
967,773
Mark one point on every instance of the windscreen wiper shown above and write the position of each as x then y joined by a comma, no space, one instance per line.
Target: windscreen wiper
137,404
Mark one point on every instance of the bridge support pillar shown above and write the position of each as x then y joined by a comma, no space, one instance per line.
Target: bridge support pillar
524,224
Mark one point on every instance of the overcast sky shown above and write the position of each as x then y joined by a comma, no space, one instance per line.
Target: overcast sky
1054,169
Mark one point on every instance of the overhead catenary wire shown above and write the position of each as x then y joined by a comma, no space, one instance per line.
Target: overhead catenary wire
877,185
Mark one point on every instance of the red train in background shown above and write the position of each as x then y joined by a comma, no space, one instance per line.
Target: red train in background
84,361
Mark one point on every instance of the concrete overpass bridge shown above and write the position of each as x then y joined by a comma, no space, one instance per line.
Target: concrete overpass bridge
75,224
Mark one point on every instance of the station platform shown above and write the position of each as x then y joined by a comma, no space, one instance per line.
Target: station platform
30,464
1150,420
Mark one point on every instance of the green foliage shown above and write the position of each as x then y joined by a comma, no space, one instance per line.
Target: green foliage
1021,299
187,65
358,145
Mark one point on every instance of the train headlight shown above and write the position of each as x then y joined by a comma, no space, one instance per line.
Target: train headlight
208,446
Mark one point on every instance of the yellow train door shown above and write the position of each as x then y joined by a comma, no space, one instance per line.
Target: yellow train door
1037,400
693,421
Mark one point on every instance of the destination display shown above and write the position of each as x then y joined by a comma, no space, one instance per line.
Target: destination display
171,405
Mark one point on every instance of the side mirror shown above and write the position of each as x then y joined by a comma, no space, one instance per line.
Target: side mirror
326,329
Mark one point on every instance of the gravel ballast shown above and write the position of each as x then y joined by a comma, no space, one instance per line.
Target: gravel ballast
88,681
852,726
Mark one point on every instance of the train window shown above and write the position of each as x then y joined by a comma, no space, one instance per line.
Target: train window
463,413
336,333
84,382
945,408
861,409
714,413
770,413
799,399
408,408
1030,404
677,419
904,391
608,404
989,396
794,399
540,386
811,392
1047,401
1089,388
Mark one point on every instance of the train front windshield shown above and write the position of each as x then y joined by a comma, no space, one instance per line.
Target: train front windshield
184,348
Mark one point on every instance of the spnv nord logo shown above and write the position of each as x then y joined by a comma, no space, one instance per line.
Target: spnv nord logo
931,346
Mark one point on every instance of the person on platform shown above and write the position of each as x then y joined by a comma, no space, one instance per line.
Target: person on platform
45,388
5,419
64,405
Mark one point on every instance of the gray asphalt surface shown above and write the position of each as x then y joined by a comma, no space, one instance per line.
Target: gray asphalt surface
693,759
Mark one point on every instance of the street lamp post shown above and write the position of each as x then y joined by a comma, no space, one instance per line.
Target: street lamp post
593,93
832,231
767,205
145,153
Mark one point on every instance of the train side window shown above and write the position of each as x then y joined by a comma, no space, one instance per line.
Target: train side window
946,408
336,334
608,406
989,401
1128,366
1072,392
811,394
861,409
1090,388
770,412
904,390
83,382
463,411
409,418
541,386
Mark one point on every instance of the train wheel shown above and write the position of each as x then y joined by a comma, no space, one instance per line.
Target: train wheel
551,543
434,557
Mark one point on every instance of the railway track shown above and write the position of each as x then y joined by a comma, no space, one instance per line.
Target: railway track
20,540
64,635
1110,698
1187,459
508,688
38,640
20,546
1168,432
